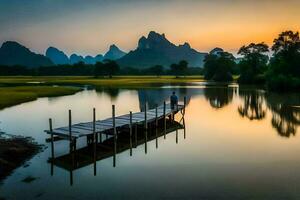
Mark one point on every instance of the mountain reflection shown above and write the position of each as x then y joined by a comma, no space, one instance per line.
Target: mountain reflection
218,97
253,105
285,117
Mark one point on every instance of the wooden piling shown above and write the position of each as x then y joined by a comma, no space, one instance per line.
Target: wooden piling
70,130
156,137
115,134
130,132
156,120
146,124
95,141
52,139
184,104
165,120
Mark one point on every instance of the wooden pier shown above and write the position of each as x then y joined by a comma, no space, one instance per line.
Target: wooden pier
122,133
94,130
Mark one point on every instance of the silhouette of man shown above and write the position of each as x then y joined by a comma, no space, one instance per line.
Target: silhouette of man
173,100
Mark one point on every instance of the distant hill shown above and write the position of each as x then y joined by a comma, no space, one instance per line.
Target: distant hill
13,53
56,56
114,53
157,49
59,57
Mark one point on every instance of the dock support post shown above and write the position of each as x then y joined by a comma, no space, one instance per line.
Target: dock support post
95,140
146,124
184,104
176,136
156,121
165,120
52,139
115,134
146,127
70,130
156,136
184,132
130,132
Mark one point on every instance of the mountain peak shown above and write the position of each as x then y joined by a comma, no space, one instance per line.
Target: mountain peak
13,53
153,40
155,36
157,49
12,45
114,53
185,45
57,56
114,47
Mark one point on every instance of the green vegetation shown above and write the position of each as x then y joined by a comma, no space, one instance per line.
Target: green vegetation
284,70
219,66
107,68
180,68
254,64
10,96
280,73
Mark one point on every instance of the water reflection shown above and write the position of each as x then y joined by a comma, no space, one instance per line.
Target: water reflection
112,92
157,96
218,97
253,106
110,147
285,117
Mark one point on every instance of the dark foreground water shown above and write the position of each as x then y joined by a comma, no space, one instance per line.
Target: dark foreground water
240,144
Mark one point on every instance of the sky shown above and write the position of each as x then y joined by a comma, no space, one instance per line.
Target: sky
88,27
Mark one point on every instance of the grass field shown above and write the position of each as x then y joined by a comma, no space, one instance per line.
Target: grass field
120,81
10,96
18,89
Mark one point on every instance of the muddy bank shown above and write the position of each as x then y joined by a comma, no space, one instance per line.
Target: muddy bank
14,151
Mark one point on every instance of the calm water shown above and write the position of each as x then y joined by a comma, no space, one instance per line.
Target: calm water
240,144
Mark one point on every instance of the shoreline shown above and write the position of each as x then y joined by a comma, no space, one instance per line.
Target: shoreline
14,152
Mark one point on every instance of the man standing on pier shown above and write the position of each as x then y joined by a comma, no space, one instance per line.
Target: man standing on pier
173,100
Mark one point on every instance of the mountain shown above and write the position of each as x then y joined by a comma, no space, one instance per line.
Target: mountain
56,56
74,58
157,49
13,53
114,53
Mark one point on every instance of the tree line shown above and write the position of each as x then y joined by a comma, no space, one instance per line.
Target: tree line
107,68
279,71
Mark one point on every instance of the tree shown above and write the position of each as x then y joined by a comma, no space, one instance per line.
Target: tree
99,69
180,68
254,62
157,70
218,67
284,71
111,68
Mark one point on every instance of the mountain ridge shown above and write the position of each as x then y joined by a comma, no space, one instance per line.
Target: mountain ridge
157,49
13,53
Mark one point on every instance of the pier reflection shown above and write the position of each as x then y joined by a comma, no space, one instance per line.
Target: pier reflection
109,148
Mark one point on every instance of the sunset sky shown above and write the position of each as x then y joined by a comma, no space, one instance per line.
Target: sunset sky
90,26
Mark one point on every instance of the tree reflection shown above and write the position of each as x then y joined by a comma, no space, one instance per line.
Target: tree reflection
285,117
218,97
253,106
112,92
